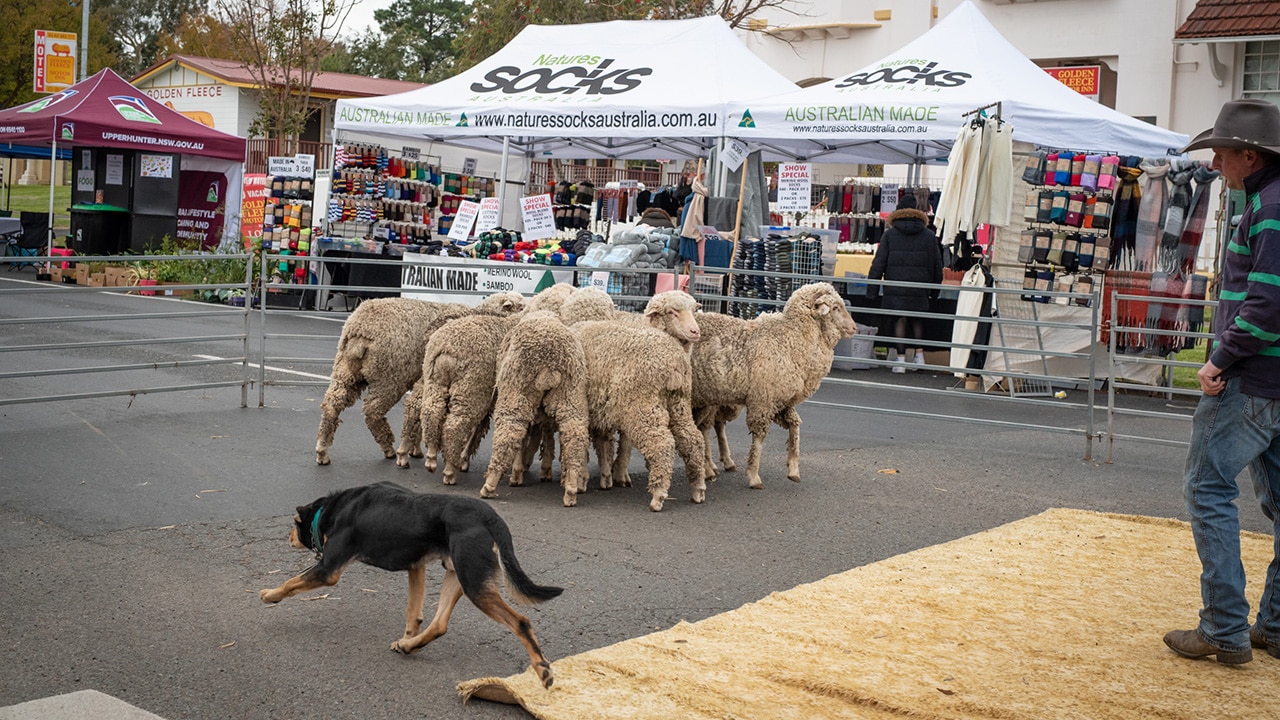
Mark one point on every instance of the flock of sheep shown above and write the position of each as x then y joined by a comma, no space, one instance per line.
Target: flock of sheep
566,362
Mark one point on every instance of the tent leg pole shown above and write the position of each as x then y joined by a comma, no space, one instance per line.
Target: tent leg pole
53,162
502,177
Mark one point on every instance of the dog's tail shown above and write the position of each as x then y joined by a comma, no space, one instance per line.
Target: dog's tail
522,588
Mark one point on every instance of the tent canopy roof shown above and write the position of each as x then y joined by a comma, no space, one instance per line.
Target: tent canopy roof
620,89
909,106
104,110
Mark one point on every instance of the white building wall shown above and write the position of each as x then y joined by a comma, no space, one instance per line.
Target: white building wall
200,97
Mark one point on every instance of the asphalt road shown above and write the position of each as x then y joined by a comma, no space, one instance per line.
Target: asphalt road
136,532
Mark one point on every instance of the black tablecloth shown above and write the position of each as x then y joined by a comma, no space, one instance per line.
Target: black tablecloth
362,274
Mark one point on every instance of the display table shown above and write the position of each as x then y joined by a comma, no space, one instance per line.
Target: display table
852,262
356,275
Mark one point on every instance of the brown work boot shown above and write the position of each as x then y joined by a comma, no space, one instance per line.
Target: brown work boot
1189,644
1256,640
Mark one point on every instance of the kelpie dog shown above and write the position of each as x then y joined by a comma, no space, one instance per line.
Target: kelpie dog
390,527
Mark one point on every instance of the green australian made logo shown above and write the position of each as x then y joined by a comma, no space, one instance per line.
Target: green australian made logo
747,121
68,131
462,121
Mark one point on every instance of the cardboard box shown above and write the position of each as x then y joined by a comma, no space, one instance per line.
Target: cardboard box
937,357
82,274
97,280
55,273
116,275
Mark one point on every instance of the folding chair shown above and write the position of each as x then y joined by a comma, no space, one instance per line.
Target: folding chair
35,238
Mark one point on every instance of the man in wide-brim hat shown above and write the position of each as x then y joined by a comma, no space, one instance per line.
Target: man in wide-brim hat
1237,421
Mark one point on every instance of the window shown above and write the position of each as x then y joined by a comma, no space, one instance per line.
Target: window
1262,70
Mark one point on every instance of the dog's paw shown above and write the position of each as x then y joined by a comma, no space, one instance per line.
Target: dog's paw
544,673
271,596
322,457
403,646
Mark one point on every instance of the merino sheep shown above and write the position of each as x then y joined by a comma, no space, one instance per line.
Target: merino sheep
459,371
542,376
769,365
639,384
380,355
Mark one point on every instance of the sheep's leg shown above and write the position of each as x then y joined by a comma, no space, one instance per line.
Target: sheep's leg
510,424
692,446
703,419
377,403
411,430
790,419
435,406
651,435
621,460
342,393
473,446
758,424
603,443
726,459
548,453
460,425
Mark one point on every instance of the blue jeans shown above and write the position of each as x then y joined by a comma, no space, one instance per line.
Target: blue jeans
1232,431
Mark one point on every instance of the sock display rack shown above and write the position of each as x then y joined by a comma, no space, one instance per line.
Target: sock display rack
782,250
399,201
286,228
1067,245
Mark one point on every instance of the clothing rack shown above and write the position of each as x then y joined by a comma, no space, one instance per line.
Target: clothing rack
979,111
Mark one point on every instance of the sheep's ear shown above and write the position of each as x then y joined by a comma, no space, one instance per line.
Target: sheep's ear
824,307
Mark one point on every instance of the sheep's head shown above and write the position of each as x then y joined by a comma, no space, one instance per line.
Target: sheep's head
589,303
821,302
673,312
550,298
504,303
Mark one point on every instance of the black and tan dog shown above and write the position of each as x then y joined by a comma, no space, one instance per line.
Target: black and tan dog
390,527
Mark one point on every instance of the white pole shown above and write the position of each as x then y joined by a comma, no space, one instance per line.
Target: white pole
53,162
84,39
502,177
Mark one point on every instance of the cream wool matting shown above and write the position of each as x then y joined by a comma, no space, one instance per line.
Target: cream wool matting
1059,615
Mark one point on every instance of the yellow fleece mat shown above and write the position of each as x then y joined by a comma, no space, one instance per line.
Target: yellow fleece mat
1059,615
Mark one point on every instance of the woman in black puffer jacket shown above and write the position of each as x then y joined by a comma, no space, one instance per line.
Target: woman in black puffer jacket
908,252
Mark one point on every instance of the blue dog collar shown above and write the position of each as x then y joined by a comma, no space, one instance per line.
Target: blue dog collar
316,543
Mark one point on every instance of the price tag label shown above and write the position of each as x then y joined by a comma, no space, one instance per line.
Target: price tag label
539,218
463,220
490,214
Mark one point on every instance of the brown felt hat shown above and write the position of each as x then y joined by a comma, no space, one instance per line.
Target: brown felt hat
1245,124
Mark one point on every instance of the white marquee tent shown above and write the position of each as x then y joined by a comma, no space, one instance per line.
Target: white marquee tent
908,107
621,89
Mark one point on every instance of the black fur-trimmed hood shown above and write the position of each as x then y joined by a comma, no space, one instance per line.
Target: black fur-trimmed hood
908,220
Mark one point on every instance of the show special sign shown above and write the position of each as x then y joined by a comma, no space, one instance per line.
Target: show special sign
463,220
490,214
539,219
795,181
55,55
441,278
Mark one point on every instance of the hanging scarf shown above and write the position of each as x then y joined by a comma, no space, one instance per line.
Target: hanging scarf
1175,220
695,214
1150,214
1193,233
1124,222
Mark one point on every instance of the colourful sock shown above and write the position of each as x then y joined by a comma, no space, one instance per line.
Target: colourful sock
1089,177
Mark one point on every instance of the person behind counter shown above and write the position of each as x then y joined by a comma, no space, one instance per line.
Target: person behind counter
908,252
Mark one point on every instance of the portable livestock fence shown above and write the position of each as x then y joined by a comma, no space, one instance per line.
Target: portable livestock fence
258,326
49,319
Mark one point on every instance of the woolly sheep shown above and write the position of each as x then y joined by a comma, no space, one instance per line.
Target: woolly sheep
459,369
542,375
639,384
769,365
379,355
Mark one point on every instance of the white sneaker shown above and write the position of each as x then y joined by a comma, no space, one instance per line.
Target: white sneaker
900,365
918,360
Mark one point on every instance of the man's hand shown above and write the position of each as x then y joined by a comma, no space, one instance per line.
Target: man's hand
1210,376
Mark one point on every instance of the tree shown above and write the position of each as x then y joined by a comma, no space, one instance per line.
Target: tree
21,18
199,34
425,29
495,22
415,42
282,44
136,28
